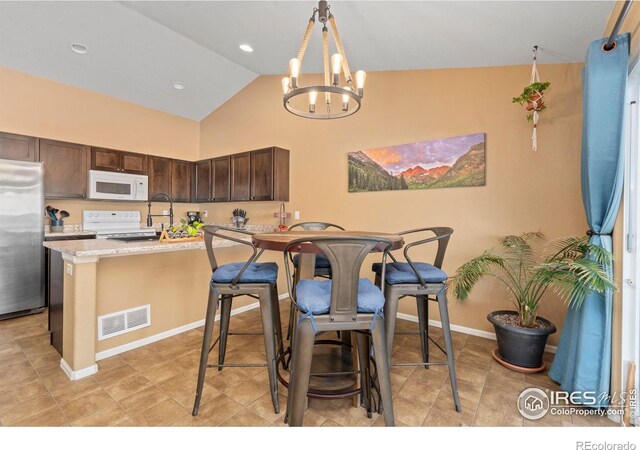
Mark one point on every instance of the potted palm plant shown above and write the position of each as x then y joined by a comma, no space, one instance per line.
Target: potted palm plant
571,266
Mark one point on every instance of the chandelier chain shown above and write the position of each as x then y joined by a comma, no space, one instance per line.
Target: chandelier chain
305,39
325,58
345,63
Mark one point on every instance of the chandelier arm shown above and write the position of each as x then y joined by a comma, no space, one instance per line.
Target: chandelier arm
345,63
307,36
325,57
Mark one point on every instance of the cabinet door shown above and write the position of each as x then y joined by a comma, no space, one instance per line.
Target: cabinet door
240,176
202,181
65,169
159,175
181,181
134,163
262,174
17,147
106,159
280,174
221,179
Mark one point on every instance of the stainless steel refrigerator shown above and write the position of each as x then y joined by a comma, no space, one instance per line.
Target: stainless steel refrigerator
21,236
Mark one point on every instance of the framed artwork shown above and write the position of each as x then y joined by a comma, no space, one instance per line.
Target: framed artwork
450,162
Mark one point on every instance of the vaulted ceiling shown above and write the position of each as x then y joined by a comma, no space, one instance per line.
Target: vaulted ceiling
138,50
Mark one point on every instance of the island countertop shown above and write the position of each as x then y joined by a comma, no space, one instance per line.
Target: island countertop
103,248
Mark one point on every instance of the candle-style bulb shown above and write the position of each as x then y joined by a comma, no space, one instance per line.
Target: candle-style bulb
285,85
336,64
313,96
294,72
345,99
360,79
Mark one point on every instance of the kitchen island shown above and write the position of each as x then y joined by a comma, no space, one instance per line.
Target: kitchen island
168,282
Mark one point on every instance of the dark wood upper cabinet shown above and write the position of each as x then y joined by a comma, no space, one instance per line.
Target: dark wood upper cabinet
241,177
17,147
117,161
221,169
134,163
181,181
105,159
202,181
159,175
270,174
262,174
65,169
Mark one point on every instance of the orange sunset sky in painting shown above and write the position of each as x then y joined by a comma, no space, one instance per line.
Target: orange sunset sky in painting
427,154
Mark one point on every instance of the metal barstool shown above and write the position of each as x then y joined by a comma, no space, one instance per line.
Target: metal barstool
426,282
322,266
257,280
345,303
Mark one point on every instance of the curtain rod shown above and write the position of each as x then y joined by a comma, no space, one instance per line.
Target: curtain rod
610,45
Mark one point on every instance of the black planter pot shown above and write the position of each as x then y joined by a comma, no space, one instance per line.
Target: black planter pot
519,346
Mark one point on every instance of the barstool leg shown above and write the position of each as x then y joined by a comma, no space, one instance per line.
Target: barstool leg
266,312
275,306
384,376
292,312
300,371
390,311
423,321
206,345
365,376
225,317
446,330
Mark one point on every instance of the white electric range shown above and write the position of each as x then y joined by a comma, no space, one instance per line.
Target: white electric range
121,225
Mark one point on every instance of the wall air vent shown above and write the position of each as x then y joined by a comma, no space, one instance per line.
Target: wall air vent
122,322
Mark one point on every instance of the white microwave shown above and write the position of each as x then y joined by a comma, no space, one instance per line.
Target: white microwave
117,186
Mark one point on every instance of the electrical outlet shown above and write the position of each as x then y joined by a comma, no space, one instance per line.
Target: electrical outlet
204,214
70,269
296,215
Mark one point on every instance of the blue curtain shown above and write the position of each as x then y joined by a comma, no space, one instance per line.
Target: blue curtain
583,360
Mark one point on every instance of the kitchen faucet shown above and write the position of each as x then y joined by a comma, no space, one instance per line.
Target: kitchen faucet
170,215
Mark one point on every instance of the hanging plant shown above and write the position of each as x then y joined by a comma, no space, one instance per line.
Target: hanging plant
532,98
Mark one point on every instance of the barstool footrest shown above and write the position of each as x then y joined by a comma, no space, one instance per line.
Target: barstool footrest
417,333
440,363
211,366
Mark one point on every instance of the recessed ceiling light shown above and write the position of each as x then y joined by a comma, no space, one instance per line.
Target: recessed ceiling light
246,48
178,85
79,48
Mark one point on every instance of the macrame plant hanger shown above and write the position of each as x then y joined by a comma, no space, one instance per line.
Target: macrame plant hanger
537,103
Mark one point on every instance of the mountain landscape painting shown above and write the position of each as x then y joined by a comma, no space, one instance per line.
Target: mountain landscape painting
451,162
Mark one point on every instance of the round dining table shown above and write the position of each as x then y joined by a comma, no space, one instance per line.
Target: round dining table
278,240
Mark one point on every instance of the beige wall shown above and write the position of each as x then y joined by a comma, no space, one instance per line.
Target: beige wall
525,190
39,107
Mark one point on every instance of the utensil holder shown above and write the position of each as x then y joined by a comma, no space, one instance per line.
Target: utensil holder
57,226
239,222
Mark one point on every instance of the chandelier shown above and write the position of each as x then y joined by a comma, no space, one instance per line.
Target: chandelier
337,101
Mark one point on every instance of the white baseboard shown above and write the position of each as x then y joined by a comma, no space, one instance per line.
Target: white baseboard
465,330
174,331
77,374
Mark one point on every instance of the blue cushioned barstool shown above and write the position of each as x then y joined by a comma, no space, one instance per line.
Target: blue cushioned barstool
322,266
425,282
345,303
257,280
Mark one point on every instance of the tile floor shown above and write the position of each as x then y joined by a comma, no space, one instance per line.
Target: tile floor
154,385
